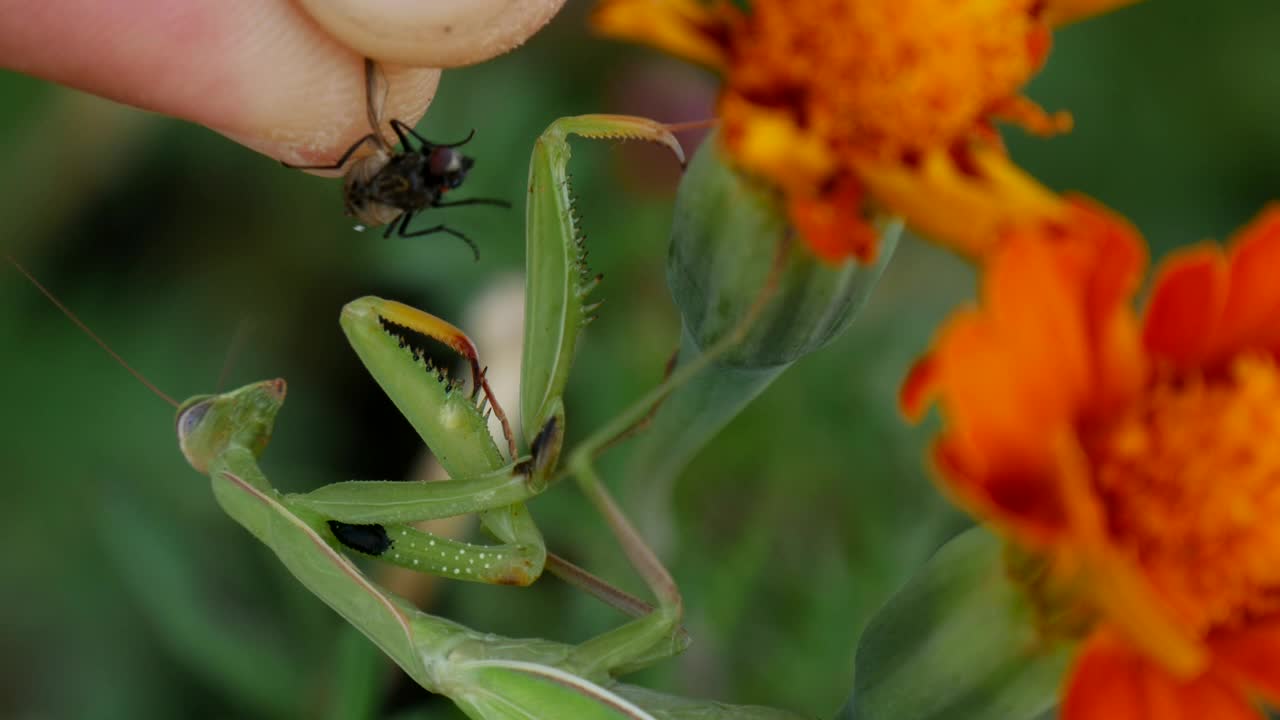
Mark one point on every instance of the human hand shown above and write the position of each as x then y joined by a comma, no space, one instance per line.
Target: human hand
282,78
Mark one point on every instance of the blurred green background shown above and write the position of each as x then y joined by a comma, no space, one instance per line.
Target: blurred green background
127,593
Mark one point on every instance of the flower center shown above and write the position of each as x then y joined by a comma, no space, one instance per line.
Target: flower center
885,77
1190,479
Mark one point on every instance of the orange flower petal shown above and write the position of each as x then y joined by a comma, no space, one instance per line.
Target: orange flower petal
1251,318
768,142
918,388
832,224
684,28
1253,655
1036,310
1121,363
1106,682
1054,341
1023,112
1110,681
1026,506
1061,12
1113,255
1010,378
1111,259
998,407
963,202
1186,305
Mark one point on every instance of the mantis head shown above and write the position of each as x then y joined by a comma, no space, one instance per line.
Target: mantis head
208,425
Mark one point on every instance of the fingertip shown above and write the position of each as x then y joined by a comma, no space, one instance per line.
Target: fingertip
443,33
302,95
316,120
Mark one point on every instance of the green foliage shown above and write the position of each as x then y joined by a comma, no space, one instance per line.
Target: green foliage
726,235
786,536
958,642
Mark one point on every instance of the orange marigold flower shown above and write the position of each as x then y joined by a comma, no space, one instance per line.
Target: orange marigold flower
852,108
1140,459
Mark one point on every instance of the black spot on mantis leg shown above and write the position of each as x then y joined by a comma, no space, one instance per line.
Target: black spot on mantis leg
544,451
368,539
544,438
545,447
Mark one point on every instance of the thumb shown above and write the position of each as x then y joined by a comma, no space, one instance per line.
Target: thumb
262,73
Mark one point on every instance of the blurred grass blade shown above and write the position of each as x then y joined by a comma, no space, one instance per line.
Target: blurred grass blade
239,661
359,669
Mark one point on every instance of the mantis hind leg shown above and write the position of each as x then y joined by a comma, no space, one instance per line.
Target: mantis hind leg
648,638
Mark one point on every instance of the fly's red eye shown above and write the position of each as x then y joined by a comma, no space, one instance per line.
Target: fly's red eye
444,161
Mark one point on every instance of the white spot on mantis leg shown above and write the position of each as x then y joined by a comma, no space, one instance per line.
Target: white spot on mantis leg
450,417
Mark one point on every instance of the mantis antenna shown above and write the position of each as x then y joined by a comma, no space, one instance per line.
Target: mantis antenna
92,335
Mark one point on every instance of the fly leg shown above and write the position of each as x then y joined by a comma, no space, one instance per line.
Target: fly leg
401,228
342,160
401,129
474,201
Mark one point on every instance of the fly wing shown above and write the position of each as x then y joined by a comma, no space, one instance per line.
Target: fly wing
376,88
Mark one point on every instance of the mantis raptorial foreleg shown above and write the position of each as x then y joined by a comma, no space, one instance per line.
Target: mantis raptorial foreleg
383,334
373,518
489,677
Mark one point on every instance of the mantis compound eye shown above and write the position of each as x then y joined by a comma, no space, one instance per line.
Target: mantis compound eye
191,416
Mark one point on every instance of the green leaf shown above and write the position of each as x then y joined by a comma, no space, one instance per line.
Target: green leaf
958,642
725,235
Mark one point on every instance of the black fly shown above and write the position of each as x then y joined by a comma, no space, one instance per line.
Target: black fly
385,187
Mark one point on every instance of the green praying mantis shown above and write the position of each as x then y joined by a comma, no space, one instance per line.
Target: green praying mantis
487,676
